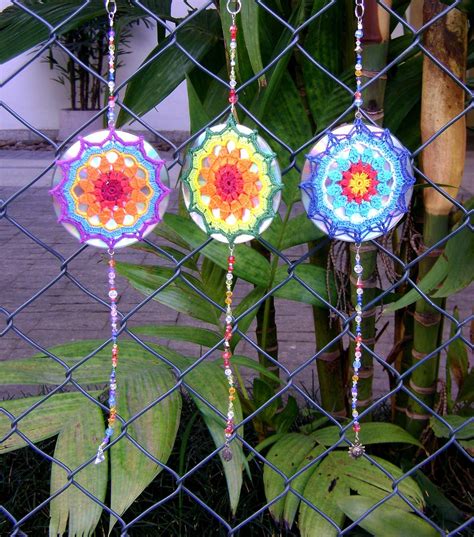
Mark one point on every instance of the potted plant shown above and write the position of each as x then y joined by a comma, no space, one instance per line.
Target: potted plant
87,43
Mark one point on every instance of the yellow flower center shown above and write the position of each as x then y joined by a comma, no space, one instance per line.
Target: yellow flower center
359,183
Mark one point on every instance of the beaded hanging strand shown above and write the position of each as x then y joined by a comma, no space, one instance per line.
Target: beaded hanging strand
227,355
233,52
357,449
111,8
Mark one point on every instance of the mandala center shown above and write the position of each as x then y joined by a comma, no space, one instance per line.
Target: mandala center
111,188
229,182
359,182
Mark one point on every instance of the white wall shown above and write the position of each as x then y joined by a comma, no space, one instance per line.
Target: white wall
38,99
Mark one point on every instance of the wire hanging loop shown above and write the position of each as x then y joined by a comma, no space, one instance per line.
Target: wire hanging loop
234,7
111,9
359,11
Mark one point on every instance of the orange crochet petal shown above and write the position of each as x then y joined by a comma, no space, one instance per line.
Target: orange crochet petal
104,216
138,196
235,153
224,211
131,208
208,190
93,210
119,215
206,173
86,185
92,173
244,165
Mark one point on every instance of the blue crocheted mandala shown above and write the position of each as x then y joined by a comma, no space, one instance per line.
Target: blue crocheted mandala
359,185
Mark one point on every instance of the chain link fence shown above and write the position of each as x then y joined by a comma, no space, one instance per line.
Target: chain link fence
220,524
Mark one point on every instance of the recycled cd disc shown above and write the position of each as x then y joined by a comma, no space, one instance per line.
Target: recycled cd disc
112,189
231,183
357,182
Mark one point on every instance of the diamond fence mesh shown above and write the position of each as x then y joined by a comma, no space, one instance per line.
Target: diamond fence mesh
176,482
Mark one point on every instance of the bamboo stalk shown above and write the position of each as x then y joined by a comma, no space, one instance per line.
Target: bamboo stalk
443,162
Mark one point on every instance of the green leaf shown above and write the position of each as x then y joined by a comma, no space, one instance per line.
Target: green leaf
247,302
284,419
465,433
466,393
155,430
460,253
299,230
190,334
262,392
249,16
209,381
323,488
427,284
314,277
19,31
323,43
251,363
77,442
292,501
150,85
45,421
386,520
287,455
374,433
249,264
457,359
177,295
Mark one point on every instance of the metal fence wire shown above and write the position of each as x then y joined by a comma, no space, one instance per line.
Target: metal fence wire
218,524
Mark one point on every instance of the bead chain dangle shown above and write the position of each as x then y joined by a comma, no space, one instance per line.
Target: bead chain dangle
359,33
357,449
227,355
111,8
233,98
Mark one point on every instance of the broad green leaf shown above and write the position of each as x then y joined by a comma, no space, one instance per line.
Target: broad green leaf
374,433
460,253
323,43
284,419
150,85
292,501
177,295
264,444
164,231
251,363
437,273
191,334
213,280
299,230
250,16
19,31
43,422
403,93
197,113
249,264
457,360
209,381
465,433
155,430
314,277
262,392
466,393
41,369
287,455
362,476
177,254
323,489
386,520
247,302
77,442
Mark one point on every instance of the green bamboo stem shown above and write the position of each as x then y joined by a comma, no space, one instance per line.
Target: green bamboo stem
443,162
330,362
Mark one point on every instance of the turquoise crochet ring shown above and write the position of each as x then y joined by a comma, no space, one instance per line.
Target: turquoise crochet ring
357,182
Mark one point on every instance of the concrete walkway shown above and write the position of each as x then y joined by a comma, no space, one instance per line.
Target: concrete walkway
64,313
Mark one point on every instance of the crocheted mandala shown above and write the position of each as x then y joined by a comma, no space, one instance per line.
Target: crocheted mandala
231,182
357,182
110,193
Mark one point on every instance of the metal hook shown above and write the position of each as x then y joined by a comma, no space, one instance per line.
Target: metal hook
238,7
